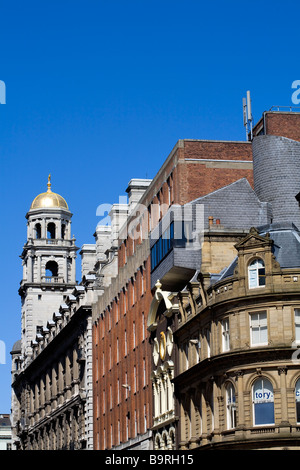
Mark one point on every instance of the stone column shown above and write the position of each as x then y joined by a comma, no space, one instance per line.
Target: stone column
29,266
193,412
47,394
60,383
38,271
283,396
240,397
65,269
216,403
182,434
36,403
68,378
42,397
43,229
54,389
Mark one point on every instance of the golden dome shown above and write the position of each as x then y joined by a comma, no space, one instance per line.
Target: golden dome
49,200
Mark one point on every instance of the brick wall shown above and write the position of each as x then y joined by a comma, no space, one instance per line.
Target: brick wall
284,124
121,351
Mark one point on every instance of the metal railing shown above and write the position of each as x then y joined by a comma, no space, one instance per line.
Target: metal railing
284,108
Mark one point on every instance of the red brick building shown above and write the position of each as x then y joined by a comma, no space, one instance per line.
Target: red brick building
280,123
121,349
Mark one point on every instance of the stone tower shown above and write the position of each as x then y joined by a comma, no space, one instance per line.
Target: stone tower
49,258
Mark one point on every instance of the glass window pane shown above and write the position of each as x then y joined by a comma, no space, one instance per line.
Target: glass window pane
297,324
252,278
264,335
262,318
297,397
255,336
298,411
264,413
259,329
261,277
256,273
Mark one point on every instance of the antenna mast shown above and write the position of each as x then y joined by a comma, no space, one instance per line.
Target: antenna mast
247,115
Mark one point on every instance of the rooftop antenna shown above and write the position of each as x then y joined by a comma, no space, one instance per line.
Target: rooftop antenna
247,115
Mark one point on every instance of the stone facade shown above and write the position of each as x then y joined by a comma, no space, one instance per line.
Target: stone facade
216,375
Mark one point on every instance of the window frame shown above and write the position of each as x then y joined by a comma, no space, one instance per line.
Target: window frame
231,412
251,320
297,401
297,311
254,268
225,334
254,408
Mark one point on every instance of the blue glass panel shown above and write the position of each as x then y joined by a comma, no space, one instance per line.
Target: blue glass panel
264,413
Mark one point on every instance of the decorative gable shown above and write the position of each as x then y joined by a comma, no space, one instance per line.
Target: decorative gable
254,240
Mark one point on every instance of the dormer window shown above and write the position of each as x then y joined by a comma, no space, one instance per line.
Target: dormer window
256,274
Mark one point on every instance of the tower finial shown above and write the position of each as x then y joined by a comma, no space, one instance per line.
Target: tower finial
49,183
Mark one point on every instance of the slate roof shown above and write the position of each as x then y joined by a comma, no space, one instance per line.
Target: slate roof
236,205
286,246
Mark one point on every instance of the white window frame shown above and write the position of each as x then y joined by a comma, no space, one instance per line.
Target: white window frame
261,323
225,335
230,406
254,273
297,323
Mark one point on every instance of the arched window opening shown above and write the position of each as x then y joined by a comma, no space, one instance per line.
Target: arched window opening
297,397
51,269
157,442
256,274
231,407
51,230
172,438
165,441
263,402
38,231
63,231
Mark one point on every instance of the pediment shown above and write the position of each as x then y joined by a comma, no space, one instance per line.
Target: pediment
253,240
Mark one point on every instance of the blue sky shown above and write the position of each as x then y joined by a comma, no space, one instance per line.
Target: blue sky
98,92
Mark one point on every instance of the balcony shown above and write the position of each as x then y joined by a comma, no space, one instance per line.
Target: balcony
175,256
52,279
51,241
